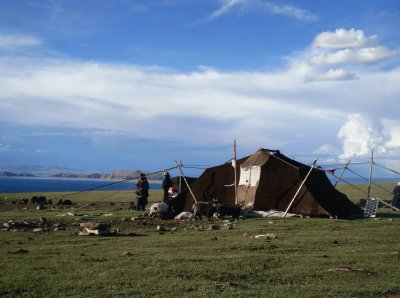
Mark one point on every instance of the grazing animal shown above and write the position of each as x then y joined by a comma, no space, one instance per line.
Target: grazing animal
23,201
202,208
184,215
65,202
157,208
40,207
229,210
38,200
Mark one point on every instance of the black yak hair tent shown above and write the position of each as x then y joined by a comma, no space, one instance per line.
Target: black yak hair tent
269,180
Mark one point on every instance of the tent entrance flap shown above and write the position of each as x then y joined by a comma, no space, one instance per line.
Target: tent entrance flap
250,176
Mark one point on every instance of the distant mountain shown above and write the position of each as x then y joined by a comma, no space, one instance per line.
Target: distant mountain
39,171
118,175
10,174
64,172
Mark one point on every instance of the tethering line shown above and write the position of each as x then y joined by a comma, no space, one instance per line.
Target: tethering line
339,178
377,185
112,183
387,168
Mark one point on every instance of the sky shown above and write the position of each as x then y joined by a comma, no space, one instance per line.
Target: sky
106,85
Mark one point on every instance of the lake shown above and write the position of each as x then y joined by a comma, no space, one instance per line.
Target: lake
23,184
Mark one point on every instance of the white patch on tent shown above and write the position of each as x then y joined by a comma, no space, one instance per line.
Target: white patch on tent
249,176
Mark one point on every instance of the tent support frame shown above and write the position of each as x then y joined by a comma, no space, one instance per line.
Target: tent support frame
301,185
184,178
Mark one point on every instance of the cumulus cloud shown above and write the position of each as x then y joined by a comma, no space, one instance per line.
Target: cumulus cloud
359,135
326,149
354,56
272,109
333,75
393,132
246,6
18,41
342,38
346,50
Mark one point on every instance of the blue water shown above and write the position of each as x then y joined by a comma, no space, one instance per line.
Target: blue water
22,184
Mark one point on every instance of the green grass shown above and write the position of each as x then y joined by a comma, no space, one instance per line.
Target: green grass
191,260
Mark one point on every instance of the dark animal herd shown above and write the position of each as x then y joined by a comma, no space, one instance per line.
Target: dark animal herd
208,209
41,200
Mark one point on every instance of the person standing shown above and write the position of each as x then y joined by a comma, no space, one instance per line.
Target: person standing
166,184
142,192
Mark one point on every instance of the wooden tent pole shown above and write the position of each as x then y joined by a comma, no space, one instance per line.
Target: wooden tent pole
370,174
389,205
340,176
184,178
180,178
298,190
234,168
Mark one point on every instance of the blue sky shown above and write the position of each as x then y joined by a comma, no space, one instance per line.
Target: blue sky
103,85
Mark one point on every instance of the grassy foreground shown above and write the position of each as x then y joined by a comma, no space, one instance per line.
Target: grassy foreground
308,257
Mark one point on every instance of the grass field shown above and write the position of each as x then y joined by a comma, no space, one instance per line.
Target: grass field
309,257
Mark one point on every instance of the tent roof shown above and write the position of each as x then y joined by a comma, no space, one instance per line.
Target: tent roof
262,156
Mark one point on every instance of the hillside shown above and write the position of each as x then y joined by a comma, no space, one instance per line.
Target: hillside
63,172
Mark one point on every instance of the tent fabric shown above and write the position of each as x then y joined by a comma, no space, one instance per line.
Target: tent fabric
269,180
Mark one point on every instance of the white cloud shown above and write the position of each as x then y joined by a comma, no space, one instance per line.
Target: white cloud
18,41
346,53
393,132
272,109
326,149
246,6
354,56
333,75
359,135
343,38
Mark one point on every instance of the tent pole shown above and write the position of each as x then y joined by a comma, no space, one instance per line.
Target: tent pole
340,176
187,184
180,178
234,168
389,205
370,173
298,190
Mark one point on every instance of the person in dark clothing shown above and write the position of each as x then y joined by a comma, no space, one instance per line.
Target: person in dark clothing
396,196
166,184
142,192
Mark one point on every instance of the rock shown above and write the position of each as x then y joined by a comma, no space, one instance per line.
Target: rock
95,225
160,228
215,227
37,230
20,251
268,236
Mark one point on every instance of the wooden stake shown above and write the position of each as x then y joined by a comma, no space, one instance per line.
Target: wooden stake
389,205
297,192
370,174
234,168
180,178
187,184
